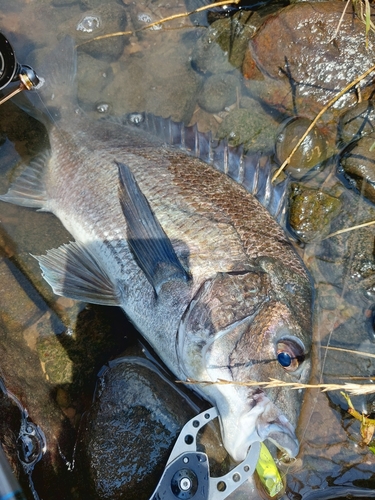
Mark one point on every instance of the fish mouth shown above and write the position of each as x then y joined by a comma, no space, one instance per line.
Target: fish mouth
262,421
281,433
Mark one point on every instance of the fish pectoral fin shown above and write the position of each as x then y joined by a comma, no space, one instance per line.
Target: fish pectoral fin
150,245
28,190
72,271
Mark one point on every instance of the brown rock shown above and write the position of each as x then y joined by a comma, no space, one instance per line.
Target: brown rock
299,53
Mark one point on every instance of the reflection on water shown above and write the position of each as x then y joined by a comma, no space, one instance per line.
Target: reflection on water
52,348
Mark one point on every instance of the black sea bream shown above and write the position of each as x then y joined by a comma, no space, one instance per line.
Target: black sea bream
199,266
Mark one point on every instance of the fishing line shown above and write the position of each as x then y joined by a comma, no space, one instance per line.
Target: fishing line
55,121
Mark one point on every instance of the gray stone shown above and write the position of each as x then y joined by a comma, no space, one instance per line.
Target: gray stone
218,92
222,47
311,153
252,128
104,20
92,78
311,212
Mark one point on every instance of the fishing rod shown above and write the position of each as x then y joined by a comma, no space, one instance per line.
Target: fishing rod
12,71
9,486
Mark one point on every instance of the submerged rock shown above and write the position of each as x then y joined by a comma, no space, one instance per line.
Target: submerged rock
253,129
92,78
358,165
357,122
223,46
311,212
311,152
160,81
103,20
303,61
347,260
130,431
218,92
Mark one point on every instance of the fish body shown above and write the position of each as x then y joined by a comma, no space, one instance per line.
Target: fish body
196,262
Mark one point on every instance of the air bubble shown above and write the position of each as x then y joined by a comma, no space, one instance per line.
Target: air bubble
136,118
144,18
88,24
103,107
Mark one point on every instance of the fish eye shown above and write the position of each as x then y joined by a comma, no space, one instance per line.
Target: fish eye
284,359
290,354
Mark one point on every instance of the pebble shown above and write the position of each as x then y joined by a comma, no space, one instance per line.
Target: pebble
357,122
252,128
358,164
311,212
222,47
218,92
105,19
311,152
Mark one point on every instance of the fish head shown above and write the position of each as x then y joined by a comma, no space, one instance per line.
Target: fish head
250,326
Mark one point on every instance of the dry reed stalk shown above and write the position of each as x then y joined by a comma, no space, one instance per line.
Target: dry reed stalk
352,389
347,229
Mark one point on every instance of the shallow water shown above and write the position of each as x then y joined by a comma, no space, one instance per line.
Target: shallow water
53,348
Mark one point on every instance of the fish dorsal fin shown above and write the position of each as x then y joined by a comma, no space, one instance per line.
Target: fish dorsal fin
72,271
28,190
252,171
150,245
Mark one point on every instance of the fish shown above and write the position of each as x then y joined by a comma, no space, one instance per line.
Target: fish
199,266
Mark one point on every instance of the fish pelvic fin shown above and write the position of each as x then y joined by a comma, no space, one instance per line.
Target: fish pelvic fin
72,271
150,245
28,190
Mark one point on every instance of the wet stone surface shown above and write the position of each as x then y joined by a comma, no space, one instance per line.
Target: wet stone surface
104,20
348,258
302,61
357,122
311,212
218,92
142,84
311,153
128,434
358,165
252,130
222,47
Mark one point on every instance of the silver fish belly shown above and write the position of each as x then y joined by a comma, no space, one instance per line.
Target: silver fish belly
195,261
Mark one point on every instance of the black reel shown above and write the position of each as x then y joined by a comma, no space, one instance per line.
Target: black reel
9,67
11,70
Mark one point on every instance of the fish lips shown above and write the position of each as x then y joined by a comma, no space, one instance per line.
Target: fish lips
281,433
262,421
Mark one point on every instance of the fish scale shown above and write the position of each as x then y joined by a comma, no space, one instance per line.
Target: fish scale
196,262
243,212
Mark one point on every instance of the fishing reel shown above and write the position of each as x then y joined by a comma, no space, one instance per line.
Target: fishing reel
12,71
187,473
